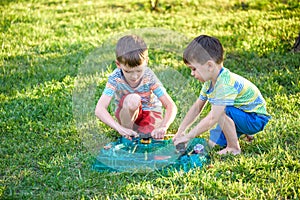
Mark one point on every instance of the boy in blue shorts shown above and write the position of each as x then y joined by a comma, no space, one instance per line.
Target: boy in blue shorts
237,106
138,94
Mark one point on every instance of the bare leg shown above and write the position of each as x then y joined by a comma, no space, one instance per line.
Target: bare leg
228,128
211,144
130,110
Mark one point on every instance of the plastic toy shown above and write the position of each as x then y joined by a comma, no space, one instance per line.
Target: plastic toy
144,154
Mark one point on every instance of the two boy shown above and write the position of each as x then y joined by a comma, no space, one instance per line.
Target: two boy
237,105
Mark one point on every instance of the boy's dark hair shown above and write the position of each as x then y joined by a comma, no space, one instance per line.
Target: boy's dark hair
131,50
202,49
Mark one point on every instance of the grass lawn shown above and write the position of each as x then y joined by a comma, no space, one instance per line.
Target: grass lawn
52,51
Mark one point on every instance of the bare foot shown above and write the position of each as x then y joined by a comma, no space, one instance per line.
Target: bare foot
229,150
248,138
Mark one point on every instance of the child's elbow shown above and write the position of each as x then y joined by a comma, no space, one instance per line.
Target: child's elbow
173,108
169,104
97,112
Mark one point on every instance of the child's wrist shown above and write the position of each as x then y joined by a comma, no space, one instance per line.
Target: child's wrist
163,127
181,130
118,128
191,135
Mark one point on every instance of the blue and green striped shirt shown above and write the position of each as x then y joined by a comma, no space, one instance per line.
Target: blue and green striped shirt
233,90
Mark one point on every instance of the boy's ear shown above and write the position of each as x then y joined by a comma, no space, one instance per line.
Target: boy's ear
118,64
210,64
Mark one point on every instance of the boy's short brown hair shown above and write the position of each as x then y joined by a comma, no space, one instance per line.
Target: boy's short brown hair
202,49
131,50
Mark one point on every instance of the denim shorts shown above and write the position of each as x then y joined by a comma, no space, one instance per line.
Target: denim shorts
245,123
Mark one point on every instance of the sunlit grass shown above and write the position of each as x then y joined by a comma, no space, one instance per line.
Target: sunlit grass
45,44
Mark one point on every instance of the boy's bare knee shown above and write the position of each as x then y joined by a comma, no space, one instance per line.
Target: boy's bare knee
132,102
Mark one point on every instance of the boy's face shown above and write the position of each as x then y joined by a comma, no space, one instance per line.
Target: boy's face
133,75
200,72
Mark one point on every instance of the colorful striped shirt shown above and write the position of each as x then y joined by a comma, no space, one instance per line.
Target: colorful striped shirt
233,90
149,89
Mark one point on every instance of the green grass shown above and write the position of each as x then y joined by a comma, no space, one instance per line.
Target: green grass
45,46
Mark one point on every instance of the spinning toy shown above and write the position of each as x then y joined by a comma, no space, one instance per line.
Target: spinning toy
144,154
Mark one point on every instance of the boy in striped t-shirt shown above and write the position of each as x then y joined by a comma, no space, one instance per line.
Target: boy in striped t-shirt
138,94
237,106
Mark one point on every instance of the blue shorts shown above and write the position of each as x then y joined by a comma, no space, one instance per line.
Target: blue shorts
245,123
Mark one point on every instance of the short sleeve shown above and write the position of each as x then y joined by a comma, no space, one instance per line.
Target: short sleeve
203,92
108,90
155,85
160,91
111,84
224,95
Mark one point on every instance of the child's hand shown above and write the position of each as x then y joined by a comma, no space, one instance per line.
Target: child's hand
180,139
128,133
159,133
178,135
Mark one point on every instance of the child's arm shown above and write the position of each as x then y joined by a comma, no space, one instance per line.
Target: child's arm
102,113
204,125
170,114
190,117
